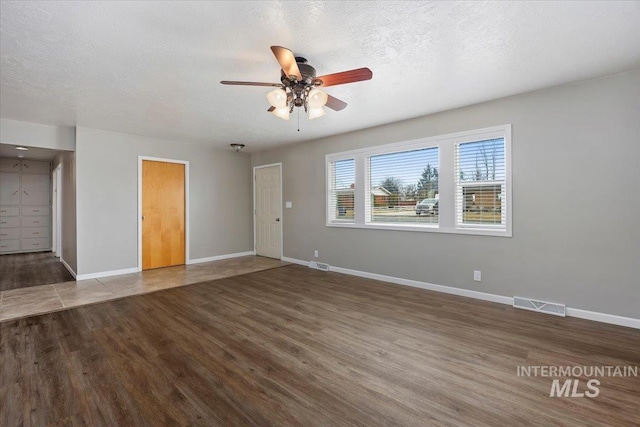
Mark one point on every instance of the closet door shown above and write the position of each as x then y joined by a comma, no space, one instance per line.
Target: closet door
10,165
35,190
33,166
9,189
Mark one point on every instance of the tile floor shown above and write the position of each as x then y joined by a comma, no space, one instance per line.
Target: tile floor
25,302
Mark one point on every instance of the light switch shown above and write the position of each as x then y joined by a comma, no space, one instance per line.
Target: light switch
288,205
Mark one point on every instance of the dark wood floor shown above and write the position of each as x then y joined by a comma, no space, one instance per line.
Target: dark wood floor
32,269
294,346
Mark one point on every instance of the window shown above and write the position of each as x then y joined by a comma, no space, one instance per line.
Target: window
341,190
480,183
457,183
404,187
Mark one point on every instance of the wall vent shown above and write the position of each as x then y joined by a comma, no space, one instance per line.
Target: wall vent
319,266
540,306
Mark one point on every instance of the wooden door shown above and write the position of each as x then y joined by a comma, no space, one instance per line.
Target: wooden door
163,214
268,206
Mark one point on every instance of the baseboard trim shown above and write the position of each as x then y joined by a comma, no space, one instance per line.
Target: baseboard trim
219,257
428,286
613,319
137,269
294,261
102,274
73,273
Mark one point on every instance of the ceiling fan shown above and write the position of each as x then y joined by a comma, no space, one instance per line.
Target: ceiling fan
299,86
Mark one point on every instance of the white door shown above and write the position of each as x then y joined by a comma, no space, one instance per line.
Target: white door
9,189
35,189
268,206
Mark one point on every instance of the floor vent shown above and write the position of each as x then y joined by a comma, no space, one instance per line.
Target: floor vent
541,306
319,266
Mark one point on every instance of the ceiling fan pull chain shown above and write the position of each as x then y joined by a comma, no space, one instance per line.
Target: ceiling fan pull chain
298,120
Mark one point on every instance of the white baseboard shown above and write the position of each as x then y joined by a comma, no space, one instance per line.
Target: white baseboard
73,273
294,261
613,319
424,285
219,257
102,274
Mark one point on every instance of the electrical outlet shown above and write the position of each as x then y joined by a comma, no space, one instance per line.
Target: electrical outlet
477,275
315,253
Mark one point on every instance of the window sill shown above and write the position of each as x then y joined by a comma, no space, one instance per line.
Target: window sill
425,229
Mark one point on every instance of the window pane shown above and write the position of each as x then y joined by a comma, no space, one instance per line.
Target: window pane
341,192
480,177
404,187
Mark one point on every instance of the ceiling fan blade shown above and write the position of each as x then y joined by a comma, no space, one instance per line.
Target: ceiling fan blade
287,61
335,104
350,76
271,108
227,82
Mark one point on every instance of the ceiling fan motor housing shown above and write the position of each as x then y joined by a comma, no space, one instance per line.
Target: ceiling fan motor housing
307,71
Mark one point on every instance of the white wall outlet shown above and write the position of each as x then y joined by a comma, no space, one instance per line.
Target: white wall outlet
315,253
288,205
477,275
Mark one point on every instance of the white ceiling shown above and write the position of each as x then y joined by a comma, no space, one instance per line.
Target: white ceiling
153,68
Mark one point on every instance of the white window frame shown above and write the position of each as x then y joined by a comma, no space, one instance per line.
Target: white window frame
447,146
330,210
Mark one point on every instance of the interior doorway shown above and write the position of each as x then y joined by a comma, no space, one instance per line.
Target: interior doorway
267,225
163,213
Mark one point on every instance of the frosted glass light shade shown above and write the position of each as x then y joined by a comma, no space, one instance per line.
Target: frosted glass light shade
314,113
282,112
277,98
317,98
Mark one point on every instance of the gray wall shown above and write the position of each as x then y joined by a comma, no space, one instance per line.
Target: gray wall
107,198
69,242
37,135
576,201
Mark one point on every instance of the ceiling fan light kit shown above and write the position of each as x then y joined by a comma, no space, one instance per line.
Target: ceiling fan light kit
314,113
299,86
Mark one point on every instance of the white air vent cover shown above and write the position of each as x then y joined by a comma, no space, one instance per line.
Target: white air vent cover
541,306
319,266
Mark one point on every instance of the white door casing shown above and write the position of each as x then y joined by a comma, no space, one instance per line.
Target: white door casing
268,211
54,212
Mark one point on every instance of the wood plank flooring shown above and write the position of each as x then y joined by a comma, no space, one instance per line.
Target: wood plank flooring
32,269
294,346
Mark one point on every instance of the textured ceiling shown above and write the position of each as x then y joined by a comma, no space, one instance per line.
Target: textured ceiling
153,68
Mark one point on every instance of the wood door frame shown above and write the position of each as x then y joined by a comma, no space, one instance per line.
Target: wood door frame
186,204
279,164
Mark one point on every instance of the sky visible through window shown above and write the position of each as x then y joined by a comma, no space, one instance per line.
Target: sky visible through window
479,161
345,173
406,166
482,160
